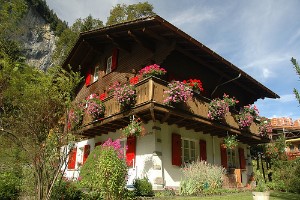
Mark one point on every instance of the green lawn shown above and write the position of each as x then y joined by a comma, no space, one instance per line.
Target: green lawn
241,196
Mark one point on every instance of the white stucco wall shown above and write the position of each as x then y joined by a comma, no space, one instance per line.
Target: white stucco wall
154,153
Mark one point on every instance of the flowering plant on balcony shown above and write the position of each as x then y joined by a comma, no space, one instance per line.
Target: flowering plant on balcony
134,128
152,70
178,92
95,107
75,116
219,107
134,80
195,84
230,142
246,115
272,150
125,94
264,126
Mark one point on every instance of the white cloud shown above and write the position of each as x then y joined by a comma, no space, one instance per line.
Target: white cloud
193,16
286,98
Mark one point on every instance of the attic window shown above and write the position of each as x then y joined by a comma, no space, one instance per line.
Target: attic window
108,64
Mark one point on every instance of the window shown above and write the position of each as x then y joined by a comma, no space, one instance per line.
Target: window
231,158
108,64
123,145
188,150
96,73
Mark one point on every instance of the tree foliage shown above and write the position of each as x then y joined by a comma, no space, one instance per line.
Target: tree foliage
33,104
122,12
297,68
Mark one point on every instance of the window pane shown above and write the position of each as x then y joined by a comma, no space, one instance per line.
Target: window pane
192,144
108,65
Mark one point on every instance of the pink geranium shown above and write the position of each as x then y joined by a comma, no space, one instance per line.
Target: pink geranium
152,70
178,92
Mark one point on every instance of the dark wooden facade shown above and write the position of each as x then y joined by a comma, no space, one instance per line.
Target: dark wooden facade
154,40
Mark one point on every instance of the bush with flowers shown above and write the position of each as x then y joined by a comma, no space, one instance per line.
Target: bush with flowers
95,107
264,126
134,128
195,84
105,170
125,94
152,70
178,92
246,115
75,116
219,107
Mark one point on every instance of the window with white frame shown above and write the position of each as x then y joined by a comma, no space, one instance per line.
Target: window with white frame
231,158
108,64
188,148
96,73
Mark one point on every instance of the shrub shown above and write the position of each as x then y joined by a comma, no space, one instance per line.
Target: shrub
66,190
9,186
105,170
199,177
143,187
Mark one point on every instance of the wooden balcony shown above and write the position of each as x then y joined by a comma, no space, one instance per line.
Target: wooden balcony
149,106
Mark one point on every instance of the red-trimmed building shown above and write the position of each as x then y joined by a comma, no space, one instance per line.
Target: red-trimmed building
174,136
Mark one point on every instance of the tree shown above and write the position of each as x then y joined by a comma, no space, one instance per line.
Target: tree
33,106
122,12
297,68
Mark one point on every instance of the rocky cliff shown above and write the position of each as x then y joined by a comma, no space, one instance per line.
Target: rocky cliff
38,40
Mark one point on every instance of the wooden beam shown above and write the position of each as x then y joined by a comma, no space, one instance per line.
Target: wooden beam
154,35
144,43
119,44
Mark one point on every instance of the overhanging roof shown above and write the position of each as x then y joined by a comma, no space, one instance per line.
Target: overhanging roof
158,29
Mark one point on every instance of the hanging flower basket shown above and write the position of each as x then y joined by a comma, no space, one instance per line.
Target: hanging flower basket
178,92
265,127
230,142
134,128
219,107
152,70
95,107
246,115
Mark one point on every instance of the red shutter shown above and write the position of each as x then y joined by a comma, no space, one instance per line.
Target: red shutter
131,149
86,152
72,158
203,154
114,60
242,158
176,149
223,156
88,77
98,144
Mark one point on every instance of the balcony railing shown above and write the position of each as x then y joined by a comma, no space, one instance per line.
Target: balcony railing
151,91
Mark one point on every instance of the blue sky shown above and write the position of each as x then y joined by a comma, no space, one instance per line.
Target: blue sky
258,36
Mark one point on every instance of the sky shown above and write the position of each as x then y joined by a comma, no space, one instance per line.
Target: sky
258,36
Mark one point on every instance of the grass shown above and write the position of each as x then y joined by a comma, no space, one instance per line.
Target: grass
240,196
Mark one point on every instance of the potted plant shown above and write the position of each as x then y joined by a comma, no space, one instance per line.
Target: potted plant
246,115
125,94
95,107
261,191
264,126
152,70
134,128
230,142
177,92
219,107
195,84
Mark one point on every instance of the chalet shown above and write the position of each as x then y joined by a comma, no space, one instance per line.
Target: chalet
173,136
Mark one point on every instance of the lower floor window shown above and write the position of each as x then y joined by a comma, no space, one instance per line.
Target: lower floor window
231,158
188,150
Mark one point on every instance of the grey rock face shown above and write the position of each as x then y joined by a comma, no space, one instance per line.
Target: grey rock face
38,40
